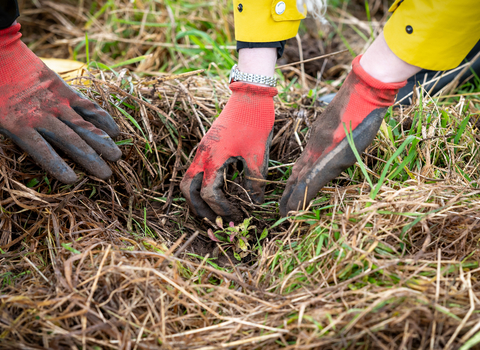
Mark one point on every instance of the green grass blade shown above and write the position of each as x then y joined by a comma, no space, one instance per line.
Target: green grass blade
130,61
357,155
387,166
461,129
470,343
87,49
206,37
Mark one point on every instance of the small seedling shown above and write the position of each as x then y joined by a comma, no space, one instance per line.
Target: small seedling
235,236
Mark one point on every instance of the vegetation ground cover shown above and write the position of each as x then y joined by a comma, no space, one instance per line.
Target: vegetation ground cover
385,257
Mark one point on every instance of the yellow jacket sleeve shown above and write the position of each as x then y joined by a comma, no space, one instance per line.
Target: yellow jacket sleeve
433,34
266,20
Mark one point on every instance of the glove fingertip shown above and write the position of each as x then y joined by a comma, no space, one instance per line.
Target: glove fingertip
104,173
286,196
190,188
185,185
65,175
295,198
113,130
113,154
283,207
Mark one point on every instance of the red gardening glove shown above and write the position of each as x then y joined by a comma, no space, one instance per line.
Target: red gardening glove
361,105
38,109
243,131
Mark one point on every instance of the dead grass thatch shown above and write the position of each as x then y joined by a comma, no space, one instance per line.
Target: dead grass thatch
96,265
111,264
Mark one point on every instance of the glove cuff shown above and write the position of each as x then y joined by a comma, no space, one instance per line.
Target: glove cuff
371,81
9,35
251,106
252,89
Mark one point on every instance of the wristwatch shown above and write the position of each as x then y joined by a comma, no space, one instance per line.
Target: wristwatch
236,75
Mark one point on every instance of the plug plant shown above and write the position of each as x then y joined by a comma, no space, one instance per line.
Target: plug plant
236,237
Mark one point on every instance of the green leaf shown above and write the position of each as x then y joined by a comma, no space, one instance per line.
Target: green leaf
86,49
417,220
138,23
242,244
197,33
244,226
237,256
94,191
101,66
279,222
135,123
470,343
33,182
445,120
264,234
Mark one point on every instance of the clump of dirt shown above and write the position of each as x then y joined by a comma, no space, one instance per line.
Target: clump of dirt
407,123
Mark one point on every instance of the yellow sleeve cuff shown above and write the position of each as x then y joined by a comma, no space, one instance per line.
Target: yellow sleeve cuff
266,20
431,34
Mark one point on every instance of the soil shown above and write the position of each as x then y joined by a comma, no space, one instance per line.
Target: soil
203,246
313,46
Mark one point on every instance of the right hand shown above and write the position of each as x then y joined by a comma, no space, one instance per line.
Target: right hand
38,109
360,107
243,131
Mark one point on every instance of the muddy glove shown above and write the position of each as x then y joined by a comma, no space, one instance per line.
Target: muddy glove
243,131
39,110
361,105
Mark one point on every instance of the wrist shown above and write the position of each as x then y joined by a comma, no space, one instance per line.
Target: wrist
255,79
258,61
381,63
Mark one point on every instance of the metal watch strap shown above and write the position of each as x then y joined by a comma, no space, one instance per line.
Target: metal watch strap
236,75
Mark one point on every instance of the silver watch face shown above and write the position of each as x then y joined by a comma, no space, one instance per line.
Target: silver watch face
232,74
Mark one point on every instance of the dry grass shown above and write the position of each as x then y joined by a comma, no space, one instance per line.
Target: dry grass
102,265
82,266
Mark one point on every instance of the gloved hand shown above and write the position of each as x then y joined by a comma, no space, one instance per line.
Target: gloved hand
361,105
38,109
243,131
